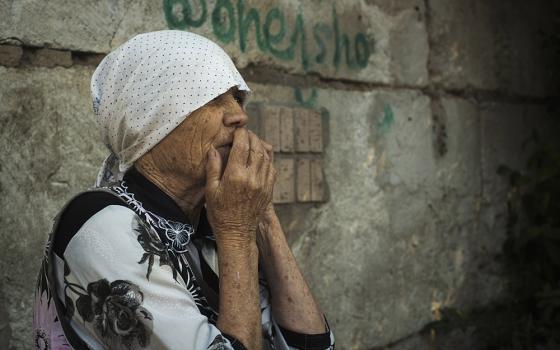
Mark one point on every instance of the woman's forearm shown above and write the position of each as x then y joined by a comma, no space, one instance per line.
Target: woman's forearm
293,305
240,314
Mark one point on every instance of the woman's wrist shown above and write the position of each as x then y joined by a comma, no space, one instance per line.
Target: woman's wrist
270,236
268,221
268,215
234,231
235,239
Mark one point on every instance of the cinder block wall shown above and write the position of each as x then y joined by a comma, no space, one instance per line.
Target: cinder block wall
389,119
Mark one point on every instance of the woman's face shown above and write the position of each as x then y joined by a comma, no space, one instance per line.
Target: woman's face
185,149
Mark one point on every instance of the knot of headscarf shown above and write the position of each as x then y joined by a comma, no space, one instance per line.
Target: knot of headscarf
146,87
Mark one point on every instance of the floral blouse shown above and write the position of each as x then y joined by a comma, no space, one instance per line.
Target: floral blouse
123,269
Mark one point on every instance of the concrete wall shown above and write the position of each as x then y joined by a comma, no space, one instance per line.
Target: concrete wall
422,100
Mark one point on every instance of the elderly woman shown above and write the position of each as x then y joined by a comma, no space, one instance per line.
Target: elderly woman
178,246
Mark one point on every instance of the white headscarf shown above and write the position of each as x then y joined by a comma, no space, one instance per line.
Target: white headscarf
148,86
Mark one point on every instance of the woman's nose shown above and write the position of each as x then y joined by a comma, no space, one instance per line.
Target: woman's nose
238,118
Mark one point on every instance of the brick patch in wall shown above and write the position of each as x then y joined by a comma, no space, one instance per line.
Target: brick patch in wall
296,136
315,131
303,180
317,180
286,129
302,133
284,191
270,116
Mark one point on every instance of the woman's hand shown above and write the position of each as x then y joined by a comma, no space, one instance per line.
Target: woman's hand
236,199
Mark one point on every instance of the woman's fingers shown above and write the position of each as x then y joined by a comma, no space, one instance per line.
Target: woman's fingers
257,153
271,178
245,188
269,161
252,159
239,154
213,170
269,151
267,146
268,173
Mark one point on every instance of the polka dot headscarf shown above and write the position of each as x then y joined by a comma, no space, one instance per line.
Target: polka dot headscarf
149,85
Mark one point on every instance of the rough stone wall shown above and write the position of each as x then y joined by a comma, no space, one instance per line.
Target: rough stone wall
421,101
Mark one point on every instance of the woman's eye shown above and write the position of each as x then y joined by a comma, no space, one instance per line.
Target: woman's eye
239,98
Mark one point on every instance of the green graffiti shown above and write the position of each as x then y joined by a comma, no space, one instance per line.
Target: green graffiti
289,53
272,36
245,20
306,102
340,42
275,38
387,121
223,29
319,31
299,32
362,54
183,19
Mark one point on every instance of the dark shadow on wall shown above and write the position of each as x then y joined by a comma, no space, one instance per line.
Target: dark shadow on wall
5,330
530,317
528,314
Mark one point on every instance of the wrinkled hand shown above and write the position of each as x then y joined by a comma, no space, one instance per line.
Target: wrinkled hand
236,199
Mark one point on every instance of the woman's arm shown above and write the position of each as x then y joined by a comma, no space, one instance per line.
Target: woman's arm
293,305
234,201
239,292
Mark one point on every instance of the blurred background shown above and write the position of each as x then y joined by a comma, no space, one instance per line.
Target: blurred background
416,143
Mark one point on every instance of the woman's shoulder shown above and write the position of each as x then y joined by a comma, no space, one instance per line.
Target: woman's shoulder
111,218
96,210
